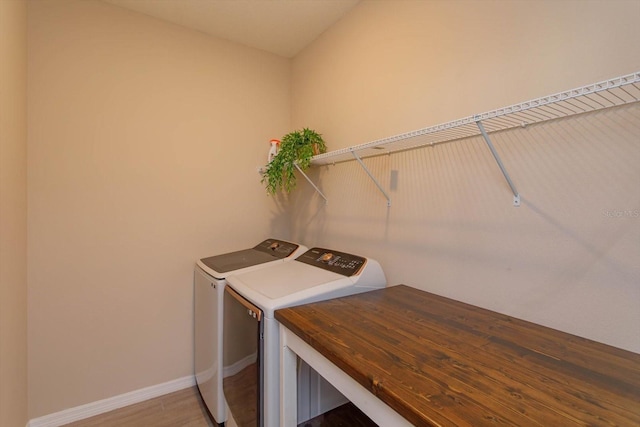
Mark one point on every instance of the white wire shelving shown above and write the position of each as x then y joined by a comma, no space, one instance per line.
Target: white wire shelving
597,96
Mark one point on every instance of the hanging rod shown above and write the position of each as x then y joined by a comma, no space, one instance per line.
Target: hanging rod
597,96
609,93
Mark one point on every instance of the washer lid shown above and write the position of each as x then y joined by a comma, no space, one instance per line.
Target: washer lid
236,260
321,274
285,279
266,251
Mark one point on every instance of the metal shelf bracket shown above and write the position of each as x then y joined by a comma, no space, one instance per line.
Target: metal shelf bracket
311,182
375,181
614,92
516,195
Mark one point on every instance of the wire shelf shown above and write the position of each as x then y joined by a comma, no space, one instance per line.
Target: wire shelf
610,93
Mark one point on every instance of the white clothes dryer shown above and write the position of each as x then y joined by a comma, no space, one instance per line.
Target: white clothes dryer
251,337
209,282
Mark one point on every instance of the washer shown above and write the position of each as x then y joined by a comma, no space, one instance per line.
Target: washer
209,282
251,336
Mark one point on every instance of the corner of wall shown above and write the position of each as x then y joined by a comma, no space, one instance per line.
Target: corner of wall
13,212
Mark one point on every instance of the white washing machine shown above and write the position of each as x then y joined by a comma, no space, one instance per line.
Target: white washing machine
209,282
251,378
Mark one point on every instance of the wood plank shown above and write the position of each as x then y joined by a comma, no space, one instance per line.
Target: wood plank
440,362
525,353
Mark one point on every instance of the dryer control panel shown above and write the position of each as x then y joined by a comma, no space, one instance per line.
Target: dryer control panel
334,261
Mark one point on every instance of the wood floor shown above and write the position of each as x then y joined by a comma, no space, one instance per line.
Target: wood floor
183,408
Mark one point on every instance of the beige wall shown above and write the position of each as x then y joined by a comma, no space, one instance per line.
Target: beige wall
140,133
13,213
566,258
144,144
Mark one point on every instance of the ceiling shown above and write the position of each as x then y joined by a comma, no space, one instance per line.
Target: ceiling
283,27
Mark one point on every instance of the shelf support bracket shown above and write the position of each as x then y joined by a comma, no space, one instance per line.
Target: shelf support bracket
311,182
516,195
372,177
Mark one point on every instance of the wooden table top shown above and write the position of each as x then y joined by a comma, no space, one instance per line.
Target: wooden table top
440,362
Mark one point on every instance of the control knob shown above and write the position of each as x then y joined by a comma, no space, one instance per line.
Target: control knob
326,257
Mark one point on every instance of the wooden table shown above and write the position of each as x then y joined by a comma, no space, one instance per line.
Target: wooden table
434,361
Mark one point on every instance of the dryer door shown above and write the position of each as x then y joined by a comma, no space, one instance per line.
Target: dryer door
242,360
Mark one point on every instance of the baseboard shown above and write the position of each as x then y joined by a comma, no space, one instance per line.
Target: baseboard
231,370
105,405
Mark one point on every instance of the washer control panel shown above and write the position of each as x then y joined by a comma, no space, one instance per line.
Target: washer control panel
276,248
335,261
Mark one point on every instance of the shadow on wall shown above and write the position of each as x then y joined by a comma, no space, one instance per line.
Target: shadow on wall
281,215
567,172
452,229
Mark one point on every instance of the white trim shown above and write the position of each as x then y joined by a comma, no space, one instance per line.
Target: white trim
364,399
105,405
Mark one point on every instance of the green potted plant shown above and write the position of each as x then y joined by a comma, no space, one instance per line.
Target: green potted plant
296,147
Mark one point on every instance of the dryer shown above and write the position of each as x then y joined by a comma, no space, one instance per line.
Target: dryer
209,282
251,336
